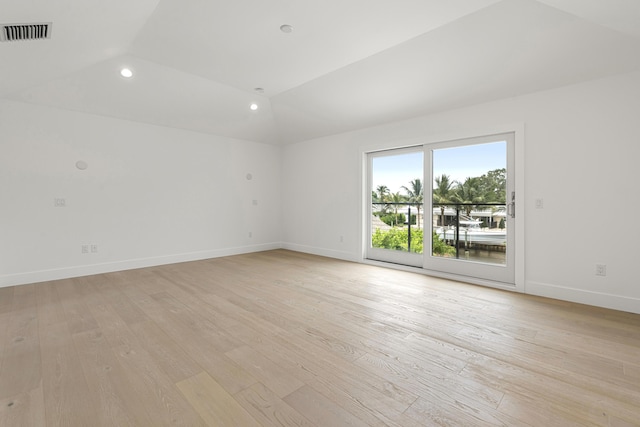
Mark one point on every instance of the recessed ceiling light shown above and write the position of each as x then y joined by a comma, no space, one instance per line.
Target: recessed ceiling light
126,72
253,107
286,28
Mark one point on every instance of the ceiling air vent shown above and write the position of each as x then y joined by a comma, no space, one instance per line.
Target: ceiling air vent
17,32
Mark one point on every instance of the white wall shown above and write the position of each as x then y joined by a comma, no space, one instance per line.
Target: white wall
154,195
582,155
150,195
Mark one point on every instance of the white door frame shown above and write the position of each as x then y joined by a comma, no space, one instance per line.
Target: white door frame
519,131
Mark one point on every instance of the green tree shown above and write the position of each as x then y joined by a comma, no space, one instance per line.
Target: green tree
493,185
443,193
439,247
415,194
396,198
398,239
469,193
394,219
381,197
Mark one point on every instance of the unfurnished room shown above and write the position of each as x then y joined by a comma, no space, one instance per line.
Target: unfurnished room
319,213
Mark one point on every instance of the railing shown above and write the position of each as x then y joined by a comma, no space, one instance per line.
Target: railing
472,208
385,205
451,233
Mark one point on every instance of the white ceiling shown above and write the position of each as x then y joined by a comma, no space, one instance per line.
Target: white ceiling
347,64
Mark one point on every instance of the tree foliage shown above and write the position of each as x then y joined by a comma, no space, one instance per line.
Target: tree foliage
394,219
443,193
469,193
493,186
397,239
440,248
415,194
473,192
488,188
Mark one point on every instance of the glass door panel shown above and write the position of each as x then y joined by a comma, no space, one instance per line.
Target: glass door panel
396,208
471,205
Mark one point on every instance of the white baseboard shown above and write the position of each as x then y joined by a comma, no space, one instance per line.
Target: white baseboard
87,270
345,256
598,299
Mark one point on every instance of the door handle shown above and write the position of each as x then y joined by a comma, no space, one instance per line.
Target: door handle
511,207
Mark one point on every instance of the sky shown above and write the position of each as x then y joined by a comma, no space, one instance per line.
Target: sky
459,163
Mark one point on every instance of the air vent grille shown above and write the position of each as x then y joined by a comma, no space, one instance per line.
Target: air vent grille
17,32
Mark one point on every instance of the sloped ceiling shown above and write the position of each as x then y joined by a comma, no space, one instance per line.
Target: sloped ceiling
345,65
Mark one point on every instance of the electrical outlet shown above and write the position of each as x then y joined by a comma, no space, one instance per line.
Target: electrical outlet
601,269
94,249
341,239
539,204
59,202
84,249
250,234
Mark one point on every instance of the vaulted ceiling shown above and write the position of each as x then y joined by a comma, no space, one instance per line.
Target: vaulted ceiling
347,64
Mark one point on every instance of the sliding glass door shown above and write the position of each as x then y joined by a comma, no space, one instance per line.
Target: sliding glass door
447,207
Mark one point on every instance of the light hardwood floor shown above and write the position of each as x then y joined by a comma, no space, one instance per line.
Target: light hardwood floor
281,338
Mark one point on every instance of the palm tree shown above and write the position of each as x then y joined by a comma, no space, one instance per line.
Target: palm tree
396,198
415,195
443,193
469,193
381,196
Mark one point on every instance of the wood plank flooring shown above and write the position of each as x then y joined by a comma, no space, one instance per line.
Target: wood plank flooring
280,338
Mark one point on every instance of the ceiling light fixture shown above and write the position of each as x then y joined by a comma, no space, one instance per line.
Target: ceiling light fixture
286,28
126,73
259,90
253,107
